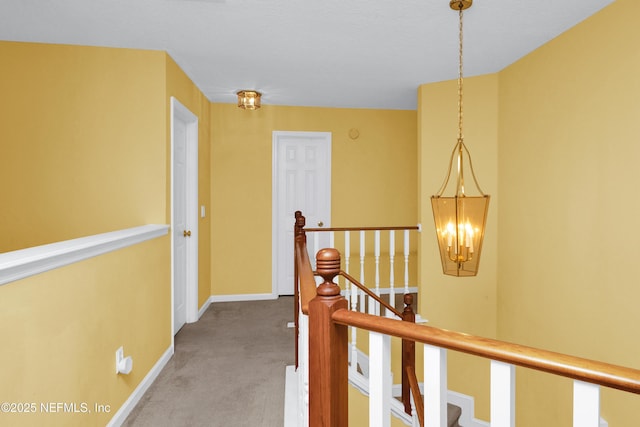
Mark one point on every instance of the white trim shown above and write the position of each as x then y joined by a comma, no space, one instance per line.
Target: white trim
179,110
193,217
467,404
204,308
291,397
586,404
397,410
23,263
234,298
137,394
380,380
503,394
242,297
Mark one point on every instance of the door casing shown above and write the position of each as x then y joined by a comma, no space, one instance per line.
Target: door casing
180,112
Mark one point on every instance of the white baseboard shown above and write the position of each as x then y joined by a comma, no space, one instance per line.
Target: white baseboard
467,404
241,297
204,307
234,298
291,397
137,394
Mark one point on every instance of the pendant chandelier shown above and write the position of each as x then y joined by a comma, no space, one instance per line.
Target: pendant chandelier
460,219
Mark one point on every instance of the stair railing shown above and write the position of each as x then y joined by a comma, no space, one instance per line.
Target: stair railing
317,234
408,347
329,318
375,301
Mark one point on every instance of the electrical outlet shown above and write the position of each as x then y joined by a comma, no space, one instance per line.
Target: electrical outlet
119,357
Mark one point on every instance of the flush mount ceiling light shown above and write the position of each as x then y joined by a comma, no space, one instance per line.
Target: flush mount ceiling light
249,99
460,219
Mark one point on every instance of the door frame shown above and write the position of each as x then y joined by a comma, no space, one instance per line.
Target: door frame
179,111
326,137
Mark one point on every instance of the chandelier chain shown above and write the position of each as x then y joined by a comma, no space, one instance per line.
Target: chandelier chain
460,149
460,78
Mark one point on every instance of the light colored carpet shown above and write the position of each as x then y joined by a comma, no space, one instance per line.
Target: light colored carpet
228,370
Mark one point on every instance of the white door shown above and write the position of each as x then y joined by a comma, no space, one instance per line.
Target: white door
301,181
184,143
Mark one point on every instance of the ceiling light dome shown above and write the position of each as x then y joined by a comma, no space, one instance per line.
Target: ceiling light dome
249,99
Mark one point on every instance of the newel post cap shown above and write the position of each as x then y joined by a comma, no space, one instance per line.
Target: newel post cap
328,267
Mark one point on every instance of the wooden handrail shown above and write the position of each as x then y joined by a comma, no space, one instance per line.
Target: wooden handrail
415,390
307,282
577,368
388,228
371,294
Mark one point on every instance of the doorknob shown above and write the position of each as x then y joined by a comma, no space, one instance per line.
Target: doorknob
320,224
186,233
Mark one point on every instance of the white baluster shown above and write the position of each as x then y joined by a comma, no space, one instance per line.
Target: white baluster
392,255
503,394
362,252
303,366
406,261
435,386
353,301
346,256
316,248
339,279
586,404
379,380
347,251
376,257
354,331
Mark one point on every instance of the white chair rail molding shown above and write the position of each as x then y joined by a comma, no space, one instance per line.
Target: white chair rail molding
27,262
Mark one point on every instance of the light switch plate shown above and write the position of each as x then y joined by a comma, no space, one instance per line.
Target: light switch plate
119,357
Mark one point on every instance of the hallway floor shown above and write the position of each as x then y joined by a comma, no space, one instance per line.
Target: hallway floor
228,369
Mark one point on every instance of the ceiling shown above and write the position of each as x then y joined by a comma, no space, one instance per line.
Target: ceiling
328,53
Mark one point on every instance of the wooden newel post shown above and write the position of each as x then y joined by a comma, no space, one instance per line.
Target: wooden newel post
298,233
298,229
408,353
328,357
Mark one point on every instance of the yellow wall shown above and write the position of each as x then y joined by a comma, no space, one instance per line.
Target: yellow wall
373,180
60,331
98,159
85,150
359,410
462,304
564,160
568,170
83,142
